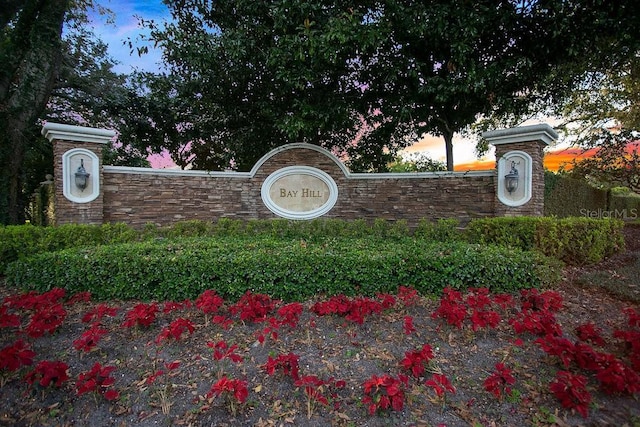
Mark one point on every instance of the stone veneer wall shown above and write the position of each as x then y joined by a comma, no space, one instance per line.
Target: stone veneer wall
139,196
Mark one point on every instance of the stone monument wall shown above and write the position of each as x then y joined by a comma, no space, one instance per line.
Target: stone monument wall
296,181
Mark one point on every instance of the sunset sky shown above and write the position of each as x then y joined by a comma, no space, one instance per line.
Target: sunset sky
553,159
465,158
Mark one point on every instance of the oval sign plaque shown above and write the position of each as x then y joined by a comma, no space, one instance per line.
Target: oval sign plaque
299,192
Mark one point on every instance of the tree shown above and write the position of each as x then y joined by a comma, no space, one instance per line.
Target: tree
45,75
603,117
257,75
380,73
30,58
447,64
605,99
615,163
416,162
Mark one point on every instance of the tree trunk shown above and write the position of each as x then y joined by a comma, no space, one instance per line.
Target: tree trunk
35,59
448,143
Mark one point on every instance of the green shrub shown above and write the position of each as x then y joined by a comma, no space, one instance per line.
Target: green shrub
443,230
515,232
229,227
19,241
191,228
574,240
567,197
288,269
624,206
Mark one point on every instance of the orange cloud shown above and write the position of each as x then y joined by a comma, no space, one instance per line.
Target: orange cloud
552,160
427,143
478,165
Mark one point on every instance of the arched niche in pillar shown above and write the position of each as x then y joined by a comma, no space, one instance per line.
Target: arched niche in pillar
515,178
80,175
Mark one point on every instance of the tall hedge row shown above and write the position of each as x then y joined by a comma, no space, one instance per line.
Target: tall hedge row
287,269
567,197
576,240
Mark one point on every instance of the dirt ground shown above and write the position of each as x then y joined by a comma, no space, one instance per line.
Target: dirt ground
332,349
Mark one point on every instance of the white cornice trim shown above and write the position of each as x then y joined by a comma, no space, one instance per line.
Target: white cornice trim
62,132
541,132
175,172
421,175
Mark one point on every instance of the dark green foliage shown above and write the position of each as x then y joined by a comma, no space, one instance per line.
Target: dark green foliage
52,68
517,232
282,228
288,269
247,76
624,206
21,241
565,196
576,240
25,240
443,230
573,240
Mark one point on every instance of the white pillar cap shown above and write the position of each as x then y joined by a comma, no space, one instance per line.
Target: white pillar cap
541,132
62,132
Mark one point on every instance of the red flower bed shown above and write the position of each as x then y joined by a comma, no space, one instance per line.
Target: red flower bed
337,357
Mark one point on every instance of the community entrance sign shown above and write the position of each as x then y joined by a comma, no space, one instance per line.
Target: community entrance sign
299,192
295,181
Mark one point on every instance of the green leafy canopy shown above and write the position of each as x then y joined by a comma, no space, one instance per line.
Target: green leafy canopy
368,79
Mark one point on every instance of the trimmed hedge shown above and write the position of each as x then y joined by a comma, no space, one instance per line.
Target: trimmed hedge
287,269
567,197
20,241
573,240
576,240
283,228
624,206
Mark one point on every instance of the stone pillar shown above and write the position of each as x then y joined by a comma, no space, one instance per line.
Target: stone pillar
519,159
77,153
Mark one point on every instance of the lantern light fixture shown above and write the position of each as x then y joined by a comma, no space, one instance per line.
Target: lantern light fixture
82,176
511,179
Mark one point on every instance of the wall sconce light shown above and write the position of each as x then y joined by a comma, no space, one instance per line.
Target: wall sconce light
511,179
82,176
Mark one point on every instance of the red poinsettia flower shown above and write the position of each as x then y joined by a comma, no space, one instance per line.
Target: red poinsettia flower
440,384
15,356
499,381
48,373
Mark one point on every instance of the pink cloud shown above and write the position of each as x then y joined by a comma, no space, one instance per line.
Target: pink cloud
161,161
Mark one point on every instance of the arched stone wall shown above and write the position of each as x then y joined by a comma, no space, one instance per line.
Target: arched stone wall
138,196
